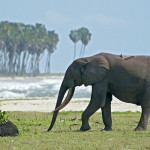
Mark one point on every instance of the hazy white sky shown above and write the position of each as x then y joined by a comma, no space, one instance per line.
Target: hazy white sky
117,26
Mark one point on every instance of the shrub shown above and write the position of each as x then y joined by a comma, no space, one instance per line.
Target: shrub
3,117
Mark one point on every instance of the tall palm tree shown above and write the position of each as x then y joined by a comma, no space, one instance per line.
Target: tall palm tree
51,41
74,36
85,37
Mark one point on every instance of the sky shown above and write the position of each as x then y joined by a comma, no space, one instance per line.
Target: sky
117,26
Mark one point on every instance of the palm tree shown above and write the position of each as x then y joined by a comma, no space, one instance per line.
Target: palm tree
74,36
51,41
85,37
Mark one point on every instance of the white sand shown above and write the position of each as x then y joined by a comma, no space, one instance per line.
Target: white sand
76,104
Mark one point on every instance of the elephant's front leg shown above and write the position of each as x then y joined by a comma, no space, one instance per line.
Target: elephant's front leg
98,97
106,113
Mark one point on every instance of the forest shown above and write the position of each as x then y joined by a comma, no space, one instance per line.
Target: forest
23,46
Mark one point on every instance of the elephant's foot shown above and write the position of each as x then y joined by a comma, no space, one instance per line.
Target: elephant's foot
85,128
107,129
139,128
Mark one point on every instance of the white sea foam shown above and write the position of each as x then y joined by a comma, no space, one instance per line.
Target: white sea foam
37,88
8,94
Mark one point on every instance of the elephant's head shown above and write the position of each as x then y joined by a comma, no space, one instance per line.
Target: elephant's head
85,71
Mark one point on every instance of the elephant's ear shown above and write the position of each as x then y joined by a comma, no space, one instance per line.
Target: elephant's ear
94,70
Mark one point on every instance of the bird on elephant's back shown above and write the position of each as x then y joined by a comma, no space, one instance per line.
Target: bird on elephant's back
125,77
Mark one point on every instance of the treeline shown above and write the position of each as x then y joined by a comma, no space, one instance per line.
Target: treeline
22,47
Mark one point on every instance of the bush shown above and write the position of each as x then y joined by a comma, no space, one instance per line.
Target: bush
7,128
3,117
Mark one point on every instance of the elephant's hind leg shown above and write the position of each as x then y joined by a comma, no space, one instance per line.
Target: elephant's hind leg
106,113
145,104
144,119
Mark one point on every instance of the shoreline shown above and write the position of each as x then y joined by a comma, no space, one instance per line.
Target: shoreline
48,105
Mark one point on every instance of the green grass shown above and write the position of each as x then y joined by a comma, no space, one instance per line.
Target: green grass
81,101
65,135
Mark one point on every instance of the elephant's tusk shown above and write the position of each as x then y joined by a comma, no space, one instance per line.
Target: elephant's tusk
67,99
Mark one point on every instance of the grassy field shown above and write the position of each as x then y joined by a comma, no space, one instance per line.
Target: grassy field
65,135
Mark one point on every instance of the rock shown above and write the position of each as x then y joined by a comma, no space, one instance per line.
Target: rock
8,129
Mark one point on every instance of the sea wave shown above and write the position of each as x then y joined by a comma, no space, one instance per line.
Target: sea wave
37,88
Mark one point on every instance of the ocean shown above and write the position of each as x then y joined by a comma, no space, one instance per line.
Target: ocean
37,87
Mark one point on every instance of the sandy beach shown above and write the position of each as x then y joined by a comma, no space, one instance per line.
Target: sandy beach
48,105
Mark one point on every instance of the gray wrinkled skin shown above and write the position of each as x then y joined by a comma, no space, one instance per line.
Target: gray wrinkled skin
127,78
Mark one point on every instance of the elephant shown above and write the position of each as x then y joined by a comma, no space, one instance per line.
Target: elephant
125,77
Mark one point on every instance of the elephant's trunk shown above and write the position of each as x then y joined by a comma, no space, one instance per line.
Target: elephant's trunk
59,106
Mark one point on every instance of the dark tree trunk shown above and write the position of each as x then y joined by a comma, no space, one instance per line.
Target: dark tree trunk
81,50
5,61
48,63
19,62
23,71
12,53
14,64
